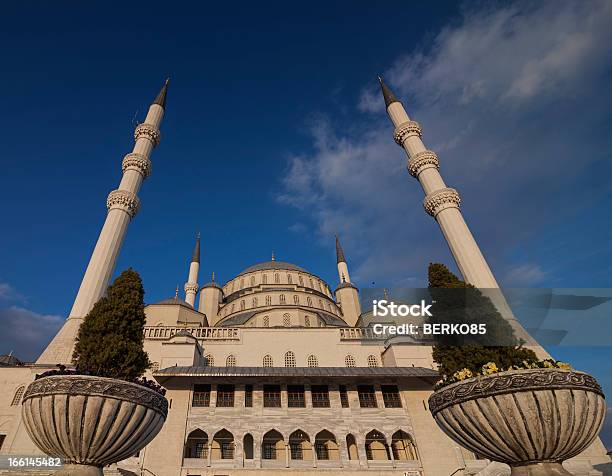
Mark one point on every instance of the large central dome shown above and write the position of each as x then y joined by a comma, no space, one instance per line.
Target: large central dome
273,265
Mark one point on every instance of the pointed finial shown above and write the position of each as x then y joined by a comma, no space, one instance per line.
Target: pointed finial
176,293
213,276
386,292
161,96
339,252
195,257
387,93
273,257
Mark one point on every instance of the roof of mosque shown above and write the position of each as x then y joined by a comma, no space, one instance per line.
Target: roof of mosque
175,300
375,372
273,265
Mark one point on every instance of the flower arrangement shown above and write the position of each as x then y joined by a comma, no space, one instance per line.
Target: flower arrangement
492,368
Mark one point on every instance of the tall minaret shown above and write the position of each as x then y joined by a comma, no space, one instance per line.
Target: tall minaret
347,294
122,204
191,286
440,202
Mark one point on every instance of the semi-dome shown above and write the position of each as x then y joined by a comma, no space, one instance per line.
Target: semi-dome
273,265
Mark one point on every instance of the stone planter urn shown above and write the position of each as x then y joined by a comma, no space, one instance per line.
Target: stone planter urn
91,422
531,420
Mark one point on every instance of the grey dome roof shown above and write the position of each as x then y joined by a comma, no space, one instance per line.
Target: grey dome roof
273,265
175,301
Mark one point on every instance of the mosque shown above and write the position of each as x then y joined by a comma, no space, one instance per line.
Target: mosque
275,370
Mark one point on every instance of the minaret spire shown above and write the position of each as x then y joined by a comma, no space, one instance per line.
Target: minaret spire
390,98
123,204
191,286
160,100
343,272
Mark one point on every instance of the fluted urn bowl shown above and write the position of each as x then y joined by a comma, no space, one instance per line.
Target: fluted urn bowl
91,422
531,419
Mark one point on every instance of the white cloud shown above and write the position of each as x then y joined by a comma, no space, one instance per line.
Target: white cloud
26,332
506,98
524,275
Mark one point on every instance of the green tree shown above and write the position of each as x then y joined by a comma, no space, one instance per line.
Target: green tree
110,339
459,302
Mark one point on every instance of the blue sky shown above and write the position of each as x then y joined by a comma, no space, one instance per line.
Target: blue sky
275,138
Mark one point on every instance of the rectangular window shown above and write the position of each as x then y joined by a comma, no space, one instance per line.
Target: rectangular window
344,401
225,395
248,395
296,450
272,396
391,396
295,396
322,451
200,450
227,450
201,396
320,396
367,396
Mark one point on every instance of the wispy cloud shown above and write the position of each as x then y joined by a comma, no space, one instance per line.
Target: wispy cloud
26,332
516,113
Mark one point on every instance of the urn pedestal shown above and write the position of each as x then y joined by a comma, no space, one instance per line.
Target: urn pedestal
91,422
532,420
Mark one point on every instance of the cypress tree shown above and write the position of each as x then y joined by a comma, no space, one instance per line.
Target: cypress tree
110,339
459,302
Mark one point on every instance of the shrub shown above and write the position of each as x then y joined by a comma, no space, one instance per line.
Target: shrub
110,339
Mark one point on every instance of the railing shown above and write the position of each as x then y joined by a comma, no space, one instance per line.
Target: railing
202,333
358,333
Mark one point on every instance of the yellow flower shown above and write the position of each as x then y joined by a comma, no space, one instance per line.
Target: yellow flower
563,365
463,374
548,364
489,368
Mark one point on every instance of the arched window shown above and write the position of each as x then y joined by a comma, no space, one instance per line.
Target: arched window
281,299
266,321
296,299
321,304
311,283
309,301
276,278
252,280
154,366
17,396
329,307
307,321
268,300
209,361
233,307
349,361
197,445
247,445
242,283
273,446
326,446
376,446
289,279
372,362
264,279
287,320
299,446
301,280
351,446
222,445
267,361
242,305
312,361
254,302
289,359
402,446
230,361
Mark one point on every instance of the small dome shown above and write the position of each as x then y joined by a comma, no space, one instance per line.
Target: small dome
175,300
273,265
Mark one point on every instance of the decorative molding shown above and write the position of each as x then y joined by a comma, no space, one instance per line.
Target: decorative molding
191,287
99,386
511,382
123,200
137,162
405,130
149,131
422,161
440,200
